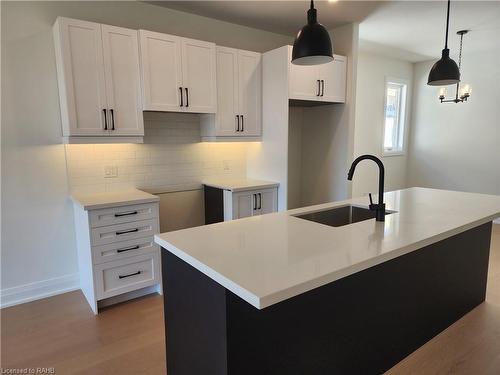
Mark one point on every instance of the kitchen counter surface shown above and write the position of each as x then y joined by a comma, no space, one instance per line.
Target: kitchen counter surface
270,258
93,201
242,184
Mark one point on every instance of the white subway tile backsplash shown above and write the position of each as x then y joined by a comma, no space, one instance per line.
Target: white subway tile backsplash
172,158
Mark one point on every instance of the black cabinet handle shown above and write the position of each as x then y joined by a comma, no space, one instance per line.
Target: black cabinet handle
126,213
105,120
319,88
237,123
254,202
120,232
128,249
182,102
130,274
112,119
322,87
242,123
187,97
260,201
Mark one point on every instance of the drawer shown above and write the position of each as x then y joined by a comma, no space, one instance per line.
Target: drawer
124,232
123,249
126,275
123,214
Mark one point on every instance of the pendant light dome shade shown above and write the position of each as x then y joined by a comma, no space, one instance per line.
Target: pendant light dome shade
444,72
312,45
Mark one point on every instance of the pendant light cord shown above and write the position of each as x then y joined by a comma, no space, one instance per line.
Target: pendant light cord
447,25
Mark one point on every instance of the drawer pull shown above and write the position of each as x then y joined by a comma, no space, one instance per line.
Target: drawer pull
130,274
128,249
127,231
126,213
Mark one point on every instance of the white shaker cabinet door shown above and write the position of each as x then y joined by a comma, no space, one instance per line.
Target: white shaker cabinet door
80,71
243,204
199,76
161,69
123,86
333,76
250,92
227,92
304,82
268,201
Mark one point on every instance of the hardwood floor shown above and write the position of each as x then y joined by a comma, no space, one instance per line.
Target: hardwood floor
62,332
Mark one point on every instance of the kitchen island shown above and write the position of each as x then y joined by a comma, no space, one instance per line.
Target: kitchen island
279,294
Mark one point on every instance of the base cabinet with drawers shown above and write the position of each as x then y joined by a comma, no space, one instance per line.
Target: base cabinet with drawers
117,256
238,199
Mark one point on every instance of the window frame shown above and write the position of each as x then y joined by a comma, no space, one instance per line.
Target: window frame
403,108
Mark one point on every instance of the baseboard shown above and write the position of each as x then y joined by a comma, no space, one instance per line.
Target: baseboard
496,221
38,290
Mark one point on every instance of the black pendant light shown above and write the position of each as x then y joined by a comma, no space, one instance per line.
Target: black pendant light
312,45
445,71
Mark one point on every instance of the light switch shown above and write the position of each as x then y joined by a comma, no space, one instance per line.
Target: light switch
110,171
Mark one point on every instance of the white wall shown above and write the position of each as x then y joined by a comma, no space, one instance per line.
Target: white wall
457,146
38,247
368,139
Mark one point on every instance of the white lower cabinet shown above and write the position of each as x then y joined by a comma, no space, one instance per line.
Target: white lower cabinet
117,255
249,203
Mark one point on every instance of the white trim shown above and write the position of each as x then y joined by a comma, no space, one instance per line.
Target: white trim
38,290
496,221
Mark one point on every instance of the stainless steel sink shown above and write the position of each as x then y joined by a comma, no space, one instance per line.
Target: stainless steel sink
339,216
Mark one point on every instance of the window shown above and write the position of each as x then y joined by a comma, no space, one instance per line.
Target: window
394,116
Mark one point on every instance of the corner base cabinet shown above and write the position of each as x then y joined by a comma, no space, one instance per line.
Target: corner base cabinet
232,200
118,259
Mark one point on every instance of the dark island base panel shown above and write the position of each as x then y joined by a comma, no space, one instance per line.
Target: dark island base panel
362,324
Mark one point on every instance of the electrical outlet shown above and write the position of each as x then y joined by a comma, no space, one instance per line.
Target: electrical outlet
225,165
110,171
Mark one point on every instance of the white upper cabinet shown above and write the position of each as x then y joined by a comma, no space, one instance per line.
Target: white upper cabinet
250,92
161,71
80,73
179,74
304,83
333,80
227,92
324,82
199,76
99,80
123,83
239,96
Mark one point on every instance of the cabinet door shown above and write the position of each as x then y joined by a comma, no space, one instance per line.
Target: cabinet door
122,74
227,92
243,204
304,82
161,71
334,77
267,201
250,92
198,76
80,70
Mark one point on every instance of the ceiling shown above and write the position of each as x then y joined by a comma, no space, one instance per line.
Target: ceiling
408,30
415,30
282,17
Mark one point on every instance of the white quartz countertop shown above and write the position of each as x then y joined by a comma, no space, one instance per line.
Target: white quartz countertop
93,201
270,258
239,184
